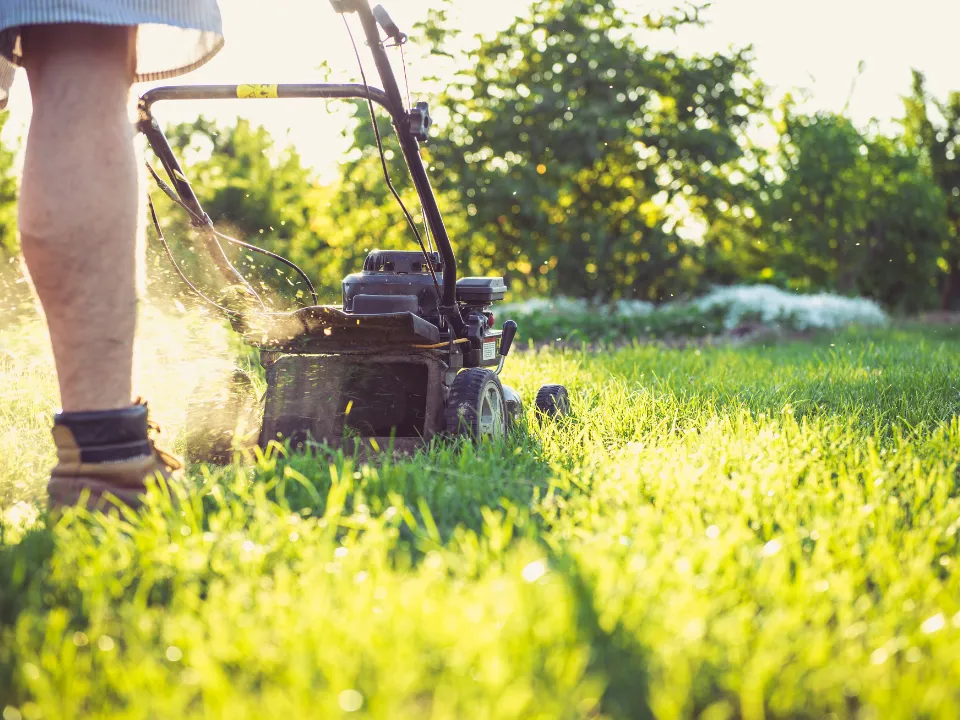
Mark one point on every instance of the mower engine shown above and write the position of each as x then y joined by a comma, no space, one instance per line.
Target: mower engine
400,281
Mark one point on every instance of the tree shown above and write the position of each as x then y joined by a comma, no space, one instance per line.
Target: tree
846,211
362,207
939,141
565,147
257,193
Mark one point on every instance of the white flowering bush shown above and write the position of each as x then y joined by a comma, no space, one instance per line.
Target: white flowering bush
721,310
633,308
772,306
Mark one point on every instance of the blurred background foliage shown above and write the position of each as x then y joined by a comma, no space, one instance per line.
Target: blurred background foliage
574,158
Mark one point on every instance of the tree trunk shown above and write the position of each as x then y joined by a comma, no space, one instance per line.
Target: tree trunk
950,295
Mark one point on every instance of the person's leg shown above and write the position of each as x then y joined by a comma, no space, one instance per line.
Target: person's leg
78,227
78,206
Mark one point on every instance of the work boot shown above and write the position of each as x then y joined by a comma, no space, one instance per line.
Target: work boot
105,453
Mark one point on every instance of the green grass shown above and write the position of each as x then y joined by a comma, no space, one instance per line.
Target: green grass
752,532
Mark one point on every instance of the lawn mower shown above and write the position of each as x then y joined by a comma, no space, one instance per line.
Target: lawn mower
412,352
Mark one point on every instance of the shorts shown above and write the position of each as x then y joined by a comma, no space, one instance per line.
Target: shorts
175,36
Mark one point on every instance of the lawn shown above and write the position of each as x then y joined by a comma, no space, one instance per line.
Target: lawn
717,532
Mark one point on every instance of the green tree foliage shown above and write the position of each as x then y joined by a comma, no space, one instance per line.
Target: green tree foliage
363,210
568,151
938,139
847,211
565,145
254,192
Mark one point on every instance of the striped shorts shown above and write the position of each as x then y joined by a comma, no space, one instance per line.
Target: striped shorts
175,36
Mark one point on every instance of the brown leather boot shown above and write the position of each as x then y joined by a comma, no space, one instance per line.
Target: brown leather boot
106,454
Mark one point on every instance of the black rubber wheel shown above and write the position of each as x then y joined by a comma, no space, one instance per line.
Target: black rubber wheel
476,407
552,400
218,427
514,406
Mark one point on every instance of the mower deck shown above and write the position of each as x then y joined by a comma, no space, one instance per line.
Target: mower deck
334,377
394,398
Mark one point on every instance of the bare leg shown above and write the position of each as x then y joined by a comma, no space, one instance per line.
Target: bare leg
78,206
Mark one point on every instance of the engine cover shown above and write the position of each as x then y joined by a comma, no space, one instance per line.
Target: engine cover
394,281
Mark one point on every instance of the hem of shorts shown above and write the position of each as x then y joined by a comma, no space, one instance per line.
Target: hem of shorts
139,77
150,76
143,19
183,69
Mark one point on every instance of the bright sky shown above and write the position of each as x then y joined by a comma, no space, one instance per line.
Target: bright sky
814,44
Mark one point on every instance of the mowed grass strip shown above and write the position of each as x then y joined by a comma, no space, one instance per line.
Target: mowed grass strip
746,532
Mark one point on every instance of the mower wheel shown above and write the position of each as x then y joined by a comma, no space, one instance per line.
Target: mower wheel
219,426
476,407
552,401
514,406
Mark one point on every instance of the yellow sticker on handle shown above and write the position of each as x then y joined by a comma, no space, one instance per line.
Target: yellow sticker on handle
256,91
